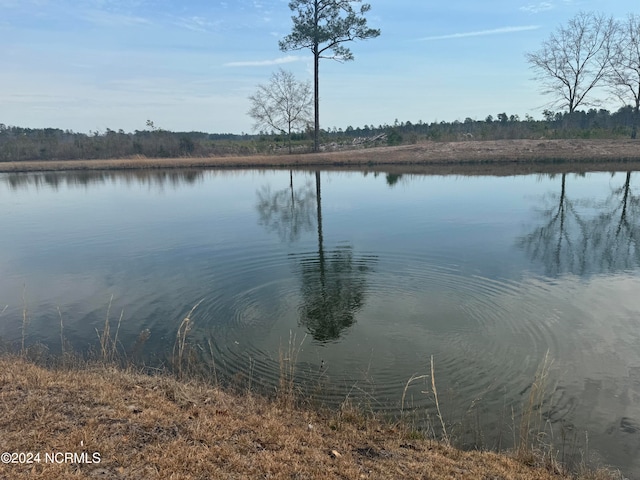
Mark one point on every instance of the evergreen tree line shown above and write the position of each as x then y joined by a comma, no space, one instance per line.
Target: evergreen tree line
593,123
21,144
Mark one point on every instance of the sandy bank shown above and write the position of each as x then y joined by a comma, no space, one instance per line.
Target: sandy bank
499,157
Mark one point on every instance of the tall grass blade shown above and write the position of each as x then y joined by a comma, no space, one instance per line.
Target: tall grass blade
181,341
445,436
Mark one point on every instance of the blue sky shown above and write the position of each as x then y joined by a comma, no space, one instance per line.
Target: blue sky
191,64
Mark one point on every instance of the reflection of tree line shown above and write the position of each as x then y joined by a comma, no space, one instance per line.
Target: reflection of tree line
568,241
301,199
84,178
391,178
333,281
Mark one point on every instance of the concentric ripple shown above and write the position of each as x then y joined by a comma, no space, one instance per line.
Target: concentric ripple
390,312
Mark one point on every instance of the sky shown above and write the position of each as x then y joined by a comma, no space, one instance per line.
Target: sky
190,65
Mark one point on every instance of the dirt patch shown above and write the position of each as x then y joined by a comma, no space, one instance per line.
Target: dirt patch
499,157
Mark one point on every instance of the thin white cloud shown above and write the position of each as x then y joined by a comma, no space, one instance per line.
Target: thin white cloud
537,7
198,24
479,33
265,63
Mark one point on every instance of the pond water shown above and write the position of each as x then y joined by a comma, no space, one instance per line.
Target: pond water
367,275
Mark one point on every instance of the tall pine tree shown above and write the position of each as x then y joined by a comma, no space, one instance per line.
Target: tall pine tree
323,26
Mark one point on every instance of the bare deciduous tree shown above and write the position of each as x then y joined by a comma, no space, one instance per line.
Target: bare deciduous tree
575,59
283,105
323,26
624,77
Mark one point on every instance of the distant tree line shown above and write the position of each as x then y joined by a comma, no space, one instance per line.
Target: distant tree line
593,123
20,144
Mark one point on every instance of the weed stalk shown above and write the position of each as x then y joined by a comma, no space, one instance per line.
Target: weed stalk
181,340
287,362
435,394
25,320
108,345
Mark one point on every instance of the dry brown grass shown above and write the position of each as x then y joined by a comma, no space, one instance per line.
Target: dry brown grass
159,427
495,157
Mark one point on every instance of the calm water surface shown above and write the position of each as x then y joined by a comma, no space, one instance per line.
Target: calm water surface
487,274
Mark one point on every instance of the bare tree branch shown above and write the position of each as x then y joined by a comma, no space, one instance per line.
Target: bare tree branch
575,59
283,105
624,76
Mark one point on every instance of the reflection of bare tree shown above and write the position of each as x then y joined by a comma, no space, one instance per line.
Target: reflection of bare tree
616,231
333,282
554,243
288,212
568,242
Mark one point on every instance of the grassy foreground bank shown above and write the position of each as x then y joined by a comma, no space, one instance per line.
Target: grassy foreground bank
121,424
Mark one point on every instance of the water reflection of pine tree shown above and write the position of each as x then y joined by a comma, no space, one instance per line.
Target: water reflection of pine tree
333,285
333,282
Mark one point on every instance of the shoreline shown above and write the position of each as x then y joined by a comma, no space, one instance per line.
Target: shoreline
490,157
123,424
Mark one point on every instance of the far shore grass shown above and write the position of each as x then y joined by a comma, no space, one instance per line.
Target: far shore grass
123,424
494,157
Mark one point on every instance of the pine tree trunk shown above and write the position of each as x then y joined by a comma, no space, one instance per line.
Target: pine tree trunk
316,101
